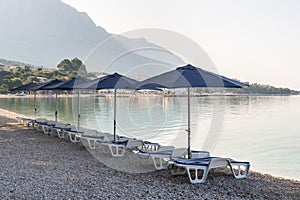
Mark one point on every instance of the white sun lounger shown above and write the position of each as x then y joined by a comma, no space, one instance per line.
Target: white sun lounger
24,120
59,128
118,149
93,137
151,146
159,157
37,123
74,134
198,168
46,126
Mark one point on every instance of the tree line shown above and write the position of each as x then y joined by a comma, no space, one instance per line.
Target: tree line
66,69
256,88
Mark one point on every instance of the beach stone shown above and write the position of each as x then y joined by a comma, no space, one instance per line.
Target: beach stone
36,166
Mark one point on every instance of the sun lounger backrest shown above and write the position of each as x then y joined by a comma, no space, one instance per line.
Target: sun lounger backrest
90,132
179,152
163,148
59,124
50,122
41,120
166,148
131,144
218,162
73,127
200,154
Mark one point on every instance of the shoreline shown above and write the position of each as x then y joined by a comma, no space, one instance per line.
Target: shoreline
143,95
34,165
12,115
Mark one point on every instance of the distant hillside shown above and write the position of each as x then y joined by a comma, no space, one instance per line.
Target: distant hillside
14,63
260,89
43,32
69,68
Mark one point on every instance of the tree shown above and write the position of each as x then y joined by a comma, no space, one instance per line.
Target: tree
76,64
79,67
3,89
15,82
65,65
82,71
27,68
73,67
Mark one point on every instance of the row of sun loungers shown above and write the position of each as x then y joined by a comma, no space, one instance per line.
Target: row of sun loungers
163,157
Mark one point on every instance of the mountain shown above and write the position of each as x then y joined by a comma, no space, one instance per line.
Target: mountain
13,63
43,32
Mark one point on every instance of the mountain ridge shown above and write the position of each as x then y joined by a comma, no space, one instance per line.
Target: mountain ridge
45,32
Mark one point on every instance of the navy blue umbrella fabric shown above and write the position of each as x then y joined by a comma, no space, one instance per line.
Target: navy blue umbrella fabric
29,86
189,77
74,83
112,81
71,84
48,84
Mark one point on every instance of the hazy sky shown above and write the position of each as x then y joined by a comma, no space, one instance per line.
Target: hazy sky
253,40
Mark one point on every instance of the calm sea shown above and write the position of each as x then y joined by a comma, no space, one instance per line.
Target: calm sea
264,130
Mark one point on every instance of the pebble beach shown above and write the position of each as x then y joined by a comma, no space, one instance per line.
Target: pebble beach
37,166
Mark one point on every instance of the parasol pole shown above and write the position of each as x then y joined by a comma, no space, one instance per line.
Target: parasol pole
115,113
78,117
56,105
34,100
189,125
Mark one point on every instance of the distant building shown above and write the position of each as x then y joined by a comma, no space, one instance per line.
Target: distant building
14,68
42,79
2,67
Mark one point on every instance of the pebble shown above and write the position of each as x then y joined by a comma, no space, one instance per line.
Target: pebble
36,166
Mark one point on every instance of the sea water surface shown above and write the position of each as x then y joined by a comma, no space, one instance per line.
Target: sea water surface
264,130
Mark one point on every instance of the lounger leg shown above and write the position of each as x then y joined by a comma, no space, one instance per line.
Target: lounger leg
117,150
159,165
239,170
60,134
27,123
73,138
46,130
38,127
92,143
196,179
